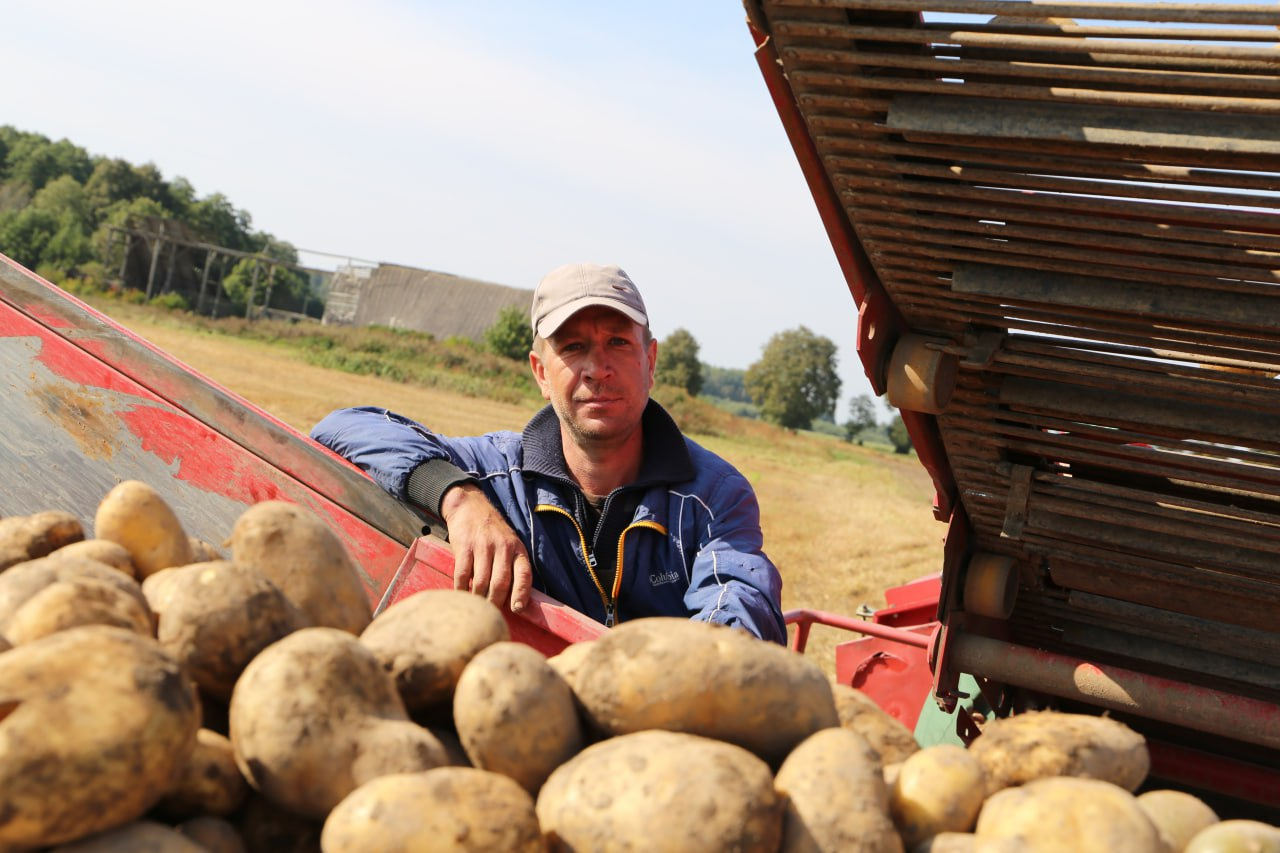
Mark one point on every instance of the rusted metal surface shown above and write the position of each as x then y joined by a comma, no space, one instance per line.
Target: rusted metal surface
1082,200
76,425
84,354
1120,689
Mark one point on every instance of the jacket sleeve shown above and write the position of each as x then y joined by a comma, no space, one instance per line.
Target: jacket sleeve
731,580
385,445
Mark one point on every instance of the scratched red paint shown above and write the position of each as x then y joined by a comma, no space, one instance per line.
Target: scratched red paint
50,319
63,358
212,463
205,459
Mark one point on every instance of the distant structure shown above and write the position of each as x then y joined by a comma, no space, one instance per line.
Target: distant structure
423,300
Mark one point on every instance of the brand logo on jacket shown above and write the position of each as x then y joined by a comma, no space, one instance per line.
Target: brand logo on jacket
661,578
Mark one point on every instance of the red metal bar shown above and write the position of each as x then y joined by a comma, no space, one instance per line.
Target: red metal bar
1200,708
805,618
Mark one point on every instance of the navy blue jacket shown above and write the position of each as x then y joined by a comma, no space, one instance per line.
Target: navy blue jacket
683,539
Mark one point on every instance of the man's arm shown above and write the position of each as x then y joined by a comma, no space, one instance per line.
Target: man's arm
417,466
732,581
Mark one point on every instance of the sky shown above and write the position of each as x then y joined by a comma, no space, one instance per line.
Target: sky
494,140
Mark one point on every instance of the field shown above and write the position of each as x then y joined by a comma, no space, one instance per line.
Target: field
841,522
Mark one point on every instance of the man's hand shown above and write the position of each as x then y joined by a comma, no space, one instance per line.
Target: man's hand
488,557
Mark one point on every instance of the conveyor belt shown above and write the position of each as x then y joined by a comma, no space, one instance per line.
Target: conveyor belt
1080,204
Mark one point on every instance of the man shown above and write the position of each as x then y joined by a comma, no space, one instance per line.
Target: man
601,502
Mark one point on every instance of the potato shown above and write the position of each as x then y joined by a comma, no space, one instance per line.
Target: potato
104,551
659,790
213,834
938,789
1068,814
890,773
20,583
208,782
1178,816
28,537
836,797
450,808
425,640
203,552
720,682
143,836
314,716
947,842
891,740
515,715
1236,836
135,516
570,659
1018,749
297,552
94,722
73,602
215,617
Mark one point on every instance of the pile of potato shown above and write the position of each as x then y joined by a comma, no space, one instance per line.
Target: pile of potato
155,695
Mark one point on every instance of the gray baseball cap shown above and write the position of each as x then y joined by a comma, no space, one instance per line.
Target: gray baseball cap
566,290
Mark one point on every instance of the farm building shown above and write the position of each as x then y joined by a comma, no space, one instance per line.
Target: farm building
438,303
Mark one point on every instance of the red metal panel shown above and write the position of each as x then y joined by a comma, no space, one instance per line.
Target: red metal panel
105,351
914,603
891,665
895,675
74,426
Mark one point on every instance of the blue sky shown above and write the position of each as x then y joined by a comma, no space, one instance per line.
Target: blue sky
488,139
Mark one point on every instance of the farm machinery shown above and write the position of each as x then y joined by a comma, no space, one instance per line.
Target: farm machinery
1058,223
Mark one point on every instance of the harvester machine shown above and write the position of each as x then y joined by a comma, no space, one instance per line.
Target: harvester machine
1059,224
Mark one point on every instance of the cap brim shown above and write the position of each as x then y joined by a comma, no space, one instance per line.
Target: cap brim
555,319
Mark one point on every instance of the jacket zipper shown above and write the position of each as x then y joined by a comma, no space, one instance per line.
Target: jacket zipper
608,598
589,560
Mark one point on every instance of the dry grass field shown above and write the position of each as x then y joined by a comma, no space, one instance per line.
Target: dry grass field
841,522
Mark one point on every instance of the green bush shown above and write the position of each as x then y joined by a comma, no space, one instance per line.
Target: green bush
170,302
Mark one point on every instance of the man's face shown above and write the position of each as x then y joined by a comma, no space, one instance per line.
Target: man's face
596,370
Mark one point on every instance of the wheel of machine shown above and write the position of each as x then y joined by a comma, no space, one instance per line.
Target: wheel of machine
990,586
921,379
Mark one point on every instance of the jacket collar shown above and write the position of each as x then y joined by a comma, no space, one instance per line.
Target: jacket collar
666,456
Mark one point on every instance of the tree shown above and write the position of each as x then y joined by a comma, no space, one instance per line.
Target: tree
898,435
795,379
725,383
862,416
678,363
510,335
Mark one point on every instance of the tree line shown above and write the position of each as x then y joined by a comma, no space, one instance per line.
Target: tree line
794,384
82,221
65,214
